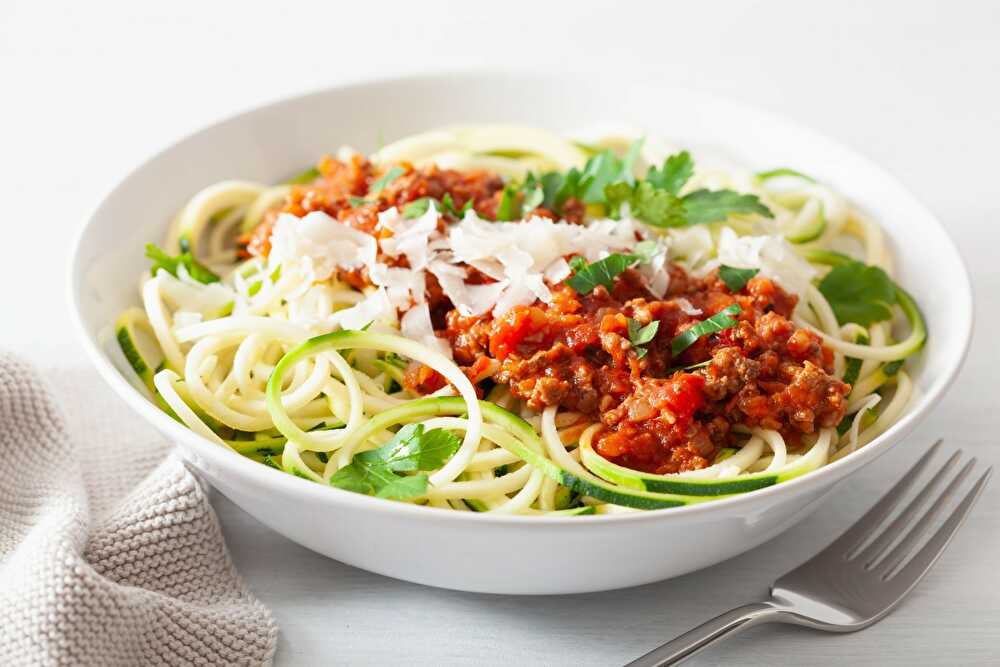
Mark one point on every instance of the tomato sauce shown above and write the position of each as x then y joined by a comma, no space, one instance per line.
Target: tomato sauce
660,413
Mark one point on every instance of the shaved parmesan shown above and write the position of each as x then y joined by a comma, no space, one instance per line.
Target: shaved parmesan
693,245
403,286
655,270
686,307
327,243
416,325
528,256
521,258
376,307
773,255
469,299
208,300
409,237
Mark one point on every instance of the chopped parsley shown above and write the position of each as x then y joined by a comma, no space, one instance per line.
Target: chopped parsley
417,208
852,365
509,207
705,206
640,335
676,171
736,279
689,367
590,183
533,198
411,449
387,178
720,321
446,204
161,260
609,181
859,293
601,272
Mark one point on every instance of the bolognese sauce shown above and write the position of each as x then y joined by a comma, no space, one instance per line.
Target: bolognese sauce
660,413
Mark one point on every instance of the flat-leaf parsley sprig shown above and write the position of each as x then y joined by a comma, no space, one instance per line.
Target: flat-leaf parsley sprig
411,449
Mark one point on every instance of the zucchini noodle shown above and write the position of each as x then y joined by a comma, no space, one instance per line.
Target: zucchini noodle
283,360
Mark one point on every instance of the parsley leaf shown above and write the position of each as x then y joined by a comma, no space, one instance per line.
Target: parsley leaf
859,293
509,208
720,321
404,488
676,171
161,260
448,206
658,208
417,208
651,205
705,206
410,449
600,171
366,478
655,207
608,180
387,178
551,183
628,162
601,272
656,201
589,185
736,279
532,199
357,201
852,366
641,335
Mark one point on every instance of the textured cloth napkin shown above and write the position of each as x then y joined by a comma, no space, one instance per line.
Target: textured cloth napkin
110,553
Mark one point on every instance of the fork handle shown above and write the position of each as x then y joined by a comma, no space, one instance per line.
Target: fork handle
709,632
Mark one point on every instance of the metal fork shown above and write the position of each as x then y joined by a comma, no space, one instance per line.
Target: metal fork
857,580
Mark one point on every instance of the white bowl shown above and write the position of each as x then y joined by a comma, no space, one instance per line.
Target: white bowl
481,552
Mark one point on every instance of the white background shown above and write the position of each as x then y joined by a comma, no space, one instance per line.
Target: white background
90,89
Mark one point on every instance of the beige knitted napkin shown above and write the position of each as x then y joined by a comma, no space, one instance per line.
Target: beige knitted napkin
110,553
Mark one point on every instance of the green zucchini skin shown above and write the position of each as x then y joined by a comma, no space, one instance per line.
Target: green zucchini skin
708,488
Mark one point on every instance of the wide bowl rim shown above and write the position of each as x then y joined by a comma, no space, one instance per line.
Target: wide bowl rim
264,477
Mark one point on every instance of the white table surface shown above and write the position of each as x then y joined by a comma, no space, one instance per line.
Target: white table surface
90,89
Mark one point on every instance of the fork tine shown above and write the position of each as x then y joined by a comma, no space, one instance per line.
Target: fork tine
854,536
913,571
923,524
881,543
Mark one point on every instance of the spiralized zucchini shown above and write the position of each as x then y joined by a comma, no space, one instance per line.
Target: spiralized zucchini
253,363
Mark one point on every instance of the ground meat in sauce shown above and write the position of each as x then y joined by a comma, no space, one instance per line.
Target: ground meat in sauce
575,352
